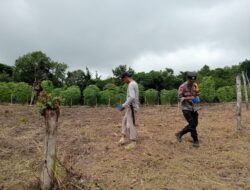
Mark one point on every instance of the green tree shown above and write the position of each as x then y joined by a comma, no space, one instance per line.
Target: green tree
91,95
37,66
117,72
71,96
6,73
57,92
58,73
79,78
204,72
6,68
225,76
158,79
245,66
32,66
102,83
207,89
4,77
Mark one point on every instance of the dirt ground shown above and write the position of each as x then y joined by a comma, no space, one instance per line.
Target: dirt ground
87,146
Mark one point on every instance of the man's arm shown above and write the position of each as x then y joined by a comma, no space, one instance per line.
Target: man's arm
181,96
131,96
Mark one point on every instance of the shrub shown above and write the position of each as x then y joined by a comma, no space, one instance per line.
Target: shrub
113,95
226,93
169,96
207,89
151,96
22,92
5,93
47,86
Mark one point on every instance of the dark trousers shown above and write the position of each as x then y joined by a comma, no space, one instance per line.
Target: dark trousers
192,119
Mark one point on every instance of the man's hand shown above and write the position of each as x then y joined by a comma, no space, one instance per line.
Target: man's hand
123,108
190,98
187,98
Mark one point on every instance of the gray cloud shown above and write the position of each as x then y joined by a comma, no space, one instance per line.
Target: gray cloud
181,34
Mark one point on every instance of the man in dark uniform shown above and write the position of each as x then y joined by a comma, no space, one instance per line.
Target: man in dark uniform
188,91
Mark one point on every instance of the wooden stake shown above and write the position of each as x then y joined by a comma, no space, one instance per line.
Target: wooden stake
239,100
32,97
245,88
11,99
247,78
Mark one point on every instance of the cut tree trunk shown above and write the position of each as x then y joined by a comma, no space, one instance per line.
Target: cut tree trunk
48,172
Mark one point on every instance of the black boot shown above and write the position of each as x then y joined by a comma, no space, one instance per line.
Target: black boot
196,143
178,136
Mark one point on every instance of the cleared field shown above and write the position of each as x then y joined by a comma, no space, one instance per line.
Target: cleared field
87,146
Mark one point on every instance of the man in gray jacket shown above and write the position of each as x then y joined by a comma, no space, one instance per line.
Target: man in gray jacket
131,106
187,92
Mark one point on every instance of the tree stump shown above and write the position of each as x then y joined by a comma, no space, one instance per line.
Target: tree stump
51,114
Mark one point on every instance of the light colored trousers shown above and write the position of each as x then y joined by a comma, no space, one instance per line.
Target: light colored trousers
128,127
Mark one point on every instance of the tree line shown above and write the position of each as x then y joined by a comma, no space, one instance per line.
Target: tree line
81,87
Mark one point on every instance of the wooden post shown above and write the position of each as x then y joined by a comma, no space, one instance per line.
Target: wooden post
145,101
245,88
247,78
33,93
238,85
11,99
32,97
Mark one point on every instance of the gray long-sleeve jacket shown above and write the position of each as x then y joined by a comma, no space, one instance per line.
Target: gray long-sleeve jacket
132,95
187,90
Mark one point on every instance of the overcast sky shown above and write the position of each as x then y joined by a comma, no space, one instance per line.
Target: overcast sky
144,34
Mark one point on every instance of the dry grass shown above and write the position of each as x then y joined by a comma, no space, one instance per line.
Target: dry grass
87,145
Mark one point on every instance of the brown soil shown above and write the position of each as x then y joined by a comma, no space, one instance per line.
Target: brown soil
87,146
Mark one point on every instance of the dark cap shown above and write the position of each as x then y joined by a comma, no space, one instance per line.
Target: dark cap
191,75
126,74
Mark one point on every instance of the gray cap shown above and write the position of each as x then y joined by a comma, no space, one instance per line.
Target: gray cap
191,75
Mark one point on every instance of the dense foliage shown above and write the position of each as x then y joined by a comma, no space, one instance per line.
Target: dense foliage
81,87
